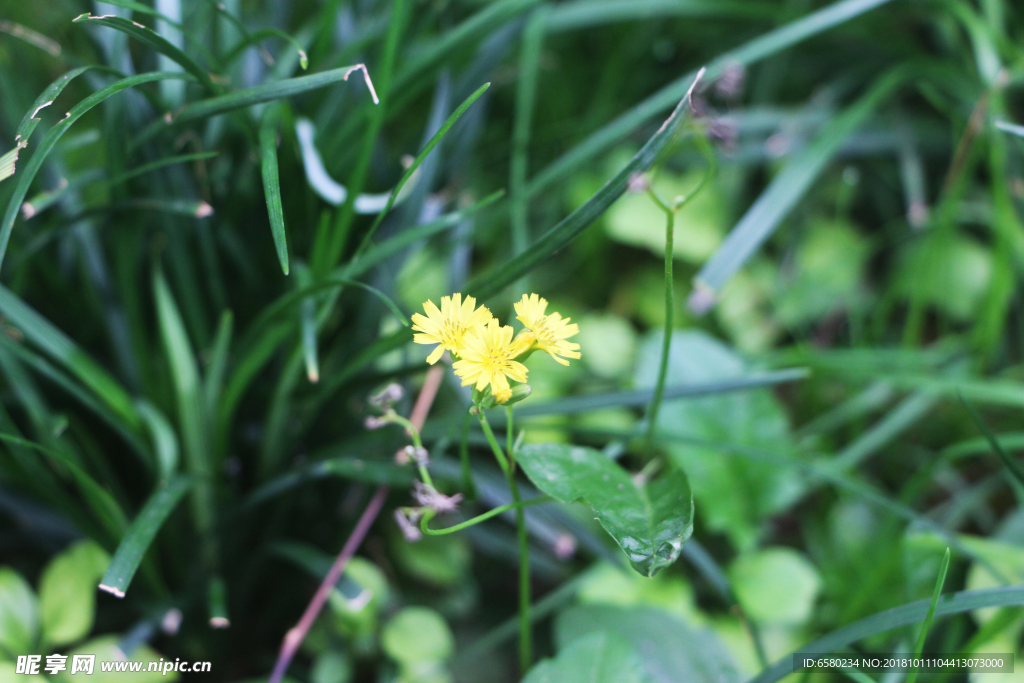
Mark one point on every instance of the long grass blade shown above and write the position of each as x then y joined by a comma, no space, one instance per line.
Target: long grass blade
1012,466
155,41
420,158
140,535
565,231
272,186
104,508
783,193
62,349
926,625
7,162
54,134
760,48
187,389
904,615
582,14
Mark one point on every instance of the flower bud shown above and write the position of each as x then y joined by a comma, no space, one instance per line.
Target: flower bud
374,422
519,392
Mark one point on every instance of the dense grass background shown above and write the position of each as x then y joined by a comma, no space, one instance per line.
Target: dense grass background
182,332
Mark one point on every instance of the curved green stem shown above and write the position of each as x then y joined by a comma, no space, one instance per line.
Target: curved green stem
475,520
525,634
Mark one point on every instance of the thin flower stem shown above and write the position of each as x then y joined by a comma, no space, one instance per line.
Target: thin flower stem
498,453
670,306
475,520
525,633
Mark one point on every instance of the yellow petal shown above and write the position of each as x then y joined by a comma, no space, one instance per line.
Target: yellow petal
435,354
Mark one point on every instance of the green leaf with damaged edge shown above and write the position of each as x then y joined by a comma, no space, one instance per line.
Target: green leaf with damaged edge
649,521
599,657
67,593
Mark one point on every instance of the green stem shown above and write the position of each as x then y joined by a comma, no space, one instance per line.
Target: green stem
666,342
498,453
475,520
468,487
525,635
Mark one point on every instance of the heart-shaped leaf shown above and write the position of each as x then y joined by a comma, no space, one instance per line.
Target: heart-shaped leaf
650,521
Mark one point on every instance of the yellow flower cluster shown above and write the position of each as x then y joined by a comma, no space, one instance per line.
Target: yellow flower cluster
485,351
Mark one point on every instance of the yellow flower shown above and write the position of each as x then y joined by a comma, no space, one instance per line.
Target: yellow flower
487,358
448,326
549,331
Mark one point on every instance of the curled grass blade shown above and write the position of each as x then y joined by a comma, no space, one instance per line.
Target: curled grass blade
140,535
54,134
46,98
272,186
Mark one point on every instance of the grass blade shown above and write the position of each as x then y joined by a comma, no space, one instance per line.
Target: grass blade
526,92
7,162
30,121
267,92
153,40
434,142
103,506
214,382
54,134
165,441
926,625
581,404
140,535
272,186
1011,128
61,348
783,193
760,48
1012,465
187,390
565,231
571,16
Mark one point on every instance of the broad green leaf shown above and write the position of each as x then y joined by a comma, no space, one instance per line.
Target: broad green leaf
600,657
775,585
436,560
140,536
107,649
672,651
19,615
67,593
949,270
650,521
825,275
734,496
417,634
333,666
